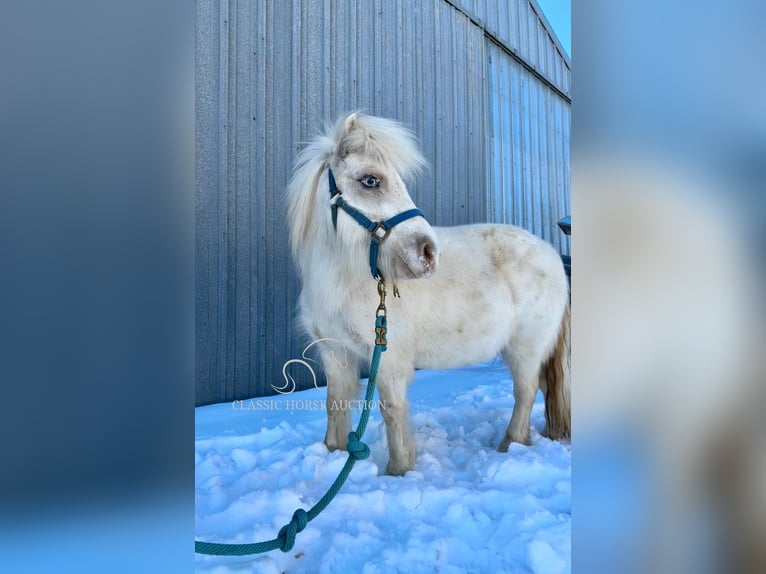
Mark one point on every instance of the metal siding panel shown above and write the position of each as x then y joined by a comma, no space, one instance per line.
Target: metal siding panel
278,275
513,26
516,188
428,125
337,48
313,54
547,197
457,119
505,179
392,60
461,119
397,47
527,181
440,213
554,182
550,196
259,78
495,146
494,167
207,341
382,61
517,25
403,64
532,26
540,193
493,17
350,43
551,57
523,12
476,125
524,150
480,10
366,54
542,43
542,51
327,80
239,249
508,148
503,20
225,167
494,137
534,158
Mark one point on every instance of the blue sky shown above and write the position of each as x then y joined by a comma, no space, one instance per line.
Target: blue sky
559,14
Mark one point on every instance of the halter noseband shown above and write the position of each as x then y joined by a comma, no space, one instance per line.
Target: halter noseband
379,230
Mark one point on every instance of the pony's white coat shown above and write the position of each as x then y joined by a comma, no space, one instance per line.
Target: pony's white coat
473,292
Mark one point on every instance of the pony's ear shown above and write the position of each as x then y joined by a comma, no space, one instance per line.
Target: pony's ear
350,122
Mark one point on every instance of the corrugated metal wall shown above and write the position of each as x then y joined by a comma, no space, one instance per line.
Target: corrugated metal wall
270,73
528,149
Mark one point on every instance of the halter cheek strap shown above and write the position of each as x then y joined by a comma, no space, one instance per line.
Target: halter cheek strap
379,230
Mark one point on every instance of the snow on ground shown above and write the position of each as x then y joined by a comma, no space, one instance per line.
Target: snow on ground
465,507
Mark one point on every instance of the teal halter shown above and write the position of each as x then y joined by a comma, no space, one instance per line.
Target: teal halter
379,230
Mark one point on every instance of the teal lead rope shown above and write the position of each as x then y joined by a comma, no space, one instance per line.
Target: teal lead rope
357,450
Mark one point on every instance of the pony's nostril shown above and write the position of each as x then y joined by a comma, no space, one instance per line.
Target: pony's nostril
428,256
428,251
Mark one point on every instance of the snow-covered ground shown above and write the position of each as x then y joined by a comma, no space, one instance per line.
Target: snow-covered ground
465,507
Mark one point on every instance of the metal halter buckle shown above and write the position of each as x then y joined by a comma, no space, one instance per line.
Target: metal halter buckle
377,229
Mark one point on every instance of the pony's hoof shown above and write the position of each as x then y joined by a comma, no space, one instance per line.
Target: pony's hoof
333,446
507,440
396,469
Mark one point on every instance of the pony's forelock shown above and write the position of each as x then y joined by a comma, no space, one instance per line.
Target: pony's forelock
382,139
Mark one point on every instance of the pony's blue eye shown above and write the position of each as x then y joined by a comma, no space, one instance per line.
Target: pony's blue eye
370,181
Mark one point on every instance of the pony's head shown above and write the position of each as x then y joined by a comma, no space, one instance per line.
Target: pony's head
370,159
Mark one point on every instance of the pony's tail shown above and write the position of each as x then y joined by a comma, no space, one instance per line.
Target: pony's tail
556,370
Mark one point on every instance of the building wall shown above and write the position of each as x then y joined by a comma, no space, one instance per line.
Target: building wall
527,149
271,73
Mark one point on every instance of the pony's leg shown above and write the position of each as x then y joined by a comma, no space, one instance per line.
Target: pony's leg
525,369
342,387
393,380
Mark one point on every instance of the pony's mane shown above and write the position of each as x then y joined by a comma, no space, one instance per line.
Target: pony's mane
383,140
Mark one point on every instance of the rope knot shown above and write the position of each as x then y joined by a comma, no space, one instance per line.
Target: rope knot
288,532
356,448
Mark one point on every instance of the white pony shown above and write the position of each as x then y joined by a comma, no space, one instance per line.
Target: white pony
467,293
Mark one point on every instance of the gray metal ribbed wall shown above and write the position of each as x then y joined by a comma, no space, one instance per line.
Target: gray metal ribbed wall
483,84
